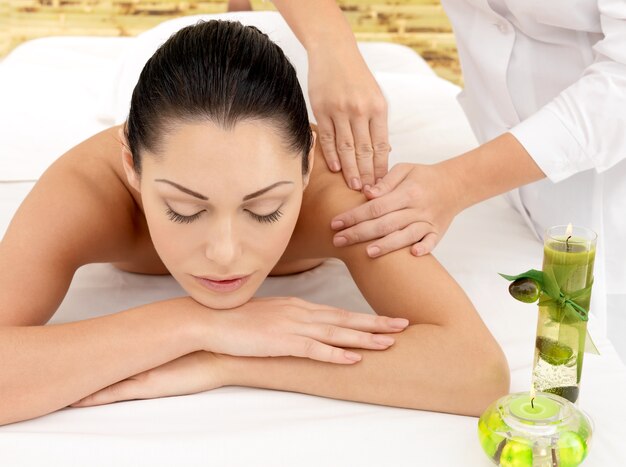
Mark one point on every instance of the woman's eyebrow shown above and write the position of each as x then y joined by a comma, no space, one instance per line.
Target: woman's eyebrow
183,189
264,190
205,198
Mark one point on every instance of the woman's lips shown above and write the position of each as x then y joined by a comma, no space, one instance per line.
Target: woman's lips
228,285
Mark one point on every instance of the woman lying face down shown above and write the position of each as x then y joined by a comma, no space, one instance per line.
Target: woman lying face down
219,146
217,187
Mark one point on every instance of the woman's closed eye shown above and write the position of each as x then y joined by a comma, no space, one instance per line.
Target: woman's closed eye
267,218
174,216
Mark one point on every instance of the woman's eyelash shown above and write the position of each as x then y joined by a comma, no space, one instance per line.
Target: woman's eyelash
174,216
269,218
273,217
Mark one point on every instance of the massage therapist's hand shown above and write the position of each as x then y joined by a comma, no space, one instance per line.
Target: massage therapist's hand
273,327
351,114
413,205
189,374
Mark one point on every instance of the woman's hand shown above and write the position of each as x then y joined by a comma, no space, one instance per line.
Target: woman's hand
189,374
351,114
273,327
412,205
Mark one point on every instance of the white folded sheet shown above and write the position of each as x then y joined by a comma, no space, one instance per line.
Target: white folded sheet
245,426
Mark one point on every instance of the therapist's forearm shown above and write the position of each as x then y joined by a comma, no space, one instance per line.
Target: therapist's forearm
493,168
317,23
429,368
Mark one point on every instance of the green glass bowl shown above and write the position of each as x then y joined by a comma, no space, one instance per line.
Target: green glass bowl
554,433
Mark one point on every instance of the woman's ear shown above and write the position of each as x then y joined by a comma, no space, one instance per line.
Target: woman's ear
127,162
311,157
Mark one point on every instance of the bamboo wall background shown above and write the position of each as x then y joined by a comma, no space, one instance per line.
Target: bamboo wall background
419,24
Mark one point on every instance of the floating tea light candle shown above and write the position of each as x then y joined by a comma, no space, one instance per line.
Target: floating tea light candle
547,432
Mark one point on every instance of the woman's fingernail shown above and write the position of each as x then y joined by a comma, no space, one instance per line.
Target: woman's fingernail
355,184
334,166
384,340
340,241
378,180
374,190
373,251
366,187
419,252
399,323
336,225
355,357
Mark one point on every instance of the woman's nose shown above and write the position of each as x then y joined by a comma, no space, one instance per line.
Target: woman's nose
222,246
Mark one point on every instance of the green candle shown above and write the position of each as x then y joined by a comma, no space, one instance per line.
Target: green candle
538,408
569,254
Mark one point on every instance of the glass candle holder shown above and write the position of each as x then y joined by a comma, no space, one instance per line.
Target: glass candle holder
569,254
549,432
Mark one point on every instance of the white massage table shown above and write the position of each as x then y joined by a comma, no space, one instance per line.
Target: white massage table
54,92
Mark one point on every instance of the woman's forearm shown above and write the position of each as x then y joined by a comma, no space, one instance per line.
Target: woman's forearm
46,368
429,367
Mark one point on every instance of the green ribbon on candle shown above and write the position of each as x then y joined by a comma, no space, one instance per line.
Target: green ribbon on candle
551,294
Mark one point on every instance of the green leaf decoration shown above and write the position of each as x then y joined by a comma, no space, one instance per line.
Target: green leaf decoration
552,296
590,346
546,301
562,272
531,274
550,285
582,294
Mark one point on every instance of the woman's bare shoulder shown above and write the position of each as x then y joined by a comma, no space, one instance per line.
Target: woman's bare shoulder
80,211
325,196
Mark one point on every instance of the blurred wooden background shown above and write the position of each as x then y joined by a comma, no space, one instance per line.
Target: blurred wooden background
419,24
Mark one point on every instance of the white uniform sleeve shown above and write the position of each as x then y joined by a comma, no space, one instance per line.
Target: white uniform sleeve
584,127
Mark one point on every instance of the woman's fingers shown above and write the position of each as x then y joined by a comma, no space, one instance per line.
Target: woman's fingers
316,350
120,391
344,337
330,315
278,326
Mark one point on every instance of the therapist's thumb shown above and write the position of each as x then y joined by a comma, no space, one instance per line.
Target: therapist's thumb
389,182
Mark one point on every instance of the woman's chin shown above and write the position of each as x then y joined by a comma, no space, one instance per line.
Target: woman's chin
221,302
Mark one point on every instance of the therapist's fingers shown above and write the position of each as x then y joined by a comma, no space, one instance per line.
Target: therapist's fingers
371,210
402,238
389,182
376,228
326,135
426,245
346,151
363,149
380,143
